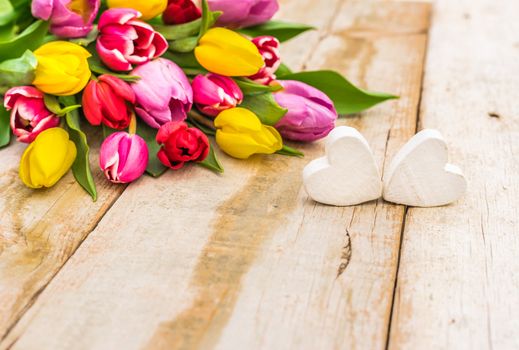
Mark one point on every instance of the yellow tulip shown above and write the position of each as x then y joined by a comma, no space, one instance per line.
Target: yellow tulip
47,159
62,68
240,134
148,8
228,53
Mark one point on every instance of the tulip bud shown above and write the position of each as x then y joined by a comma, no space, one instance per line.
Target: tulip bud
125,41
214,93
163,93
68,18
181,11
148,8
243,13
47,159
62,68
228,53
268,47
181,144
29,115
108,101
123,157
311,114
240,134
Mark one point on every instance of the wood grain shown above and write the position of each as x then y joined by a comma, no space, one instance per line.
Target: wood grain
458,280
39,230
245,260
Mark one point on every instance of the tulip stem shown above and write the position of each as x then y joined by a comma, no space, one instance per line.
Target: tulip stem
132,129
200,119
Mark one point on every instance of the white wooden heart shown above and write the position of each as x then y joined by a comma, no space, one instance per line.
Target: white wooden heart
347,174
420,176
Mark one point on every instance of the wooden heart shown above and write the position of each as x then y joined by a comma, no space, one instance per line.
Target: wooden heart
420,176
347,175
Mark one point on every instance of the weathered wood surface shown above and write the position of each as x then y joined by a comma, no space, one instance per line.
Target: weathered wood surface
458,281
244,260
39,230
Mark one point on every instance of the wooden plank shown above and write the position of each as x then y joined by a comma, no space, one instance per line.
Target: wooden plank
39,230
245,259
458,278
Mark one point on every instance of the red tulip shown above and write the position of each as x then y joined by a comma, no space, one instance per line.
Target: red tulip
181,11
29,115
108,101
268,47
181,144
214,93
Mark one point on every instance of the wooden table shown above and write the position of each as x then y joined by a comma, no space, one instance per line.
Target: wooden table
246,261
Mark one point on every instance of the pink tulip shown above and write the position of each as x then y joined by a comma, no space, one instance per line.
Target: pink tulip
214,93
29,116
123,157
244,13
268,47
163,93
125,41
68,18
311,114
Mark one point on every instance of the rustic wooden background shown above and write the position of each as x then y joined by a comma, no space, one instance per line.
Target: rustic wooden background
246,261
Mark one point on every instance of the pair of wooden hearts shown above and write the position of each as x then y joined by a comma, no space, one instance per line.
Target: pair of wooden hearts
419,175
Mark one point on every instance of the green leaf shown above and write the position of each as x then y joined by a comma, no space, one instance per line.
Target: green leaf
265,107
89,39
155,167
283,31
283,70
211,162
97,67
291,152
5,129
348,99
7,13
249,87
53,105
29,39
206,130
81,166
179,31
184,45
184,60
18,71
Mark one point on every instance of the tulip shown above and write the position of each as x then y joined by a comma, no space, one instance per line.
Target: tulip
214,93
180,144
148,8
108,101
47,159
244,13
123,157
125,41
181,11
62,68
240,134
163,93
311,114
68,18
268,47
29,116
228,53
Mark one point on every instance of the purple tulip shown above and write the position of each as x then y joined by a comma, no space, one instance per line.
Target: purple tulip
125,41
214,93
68,18
29,115
123,157
311,114
244,13
163,93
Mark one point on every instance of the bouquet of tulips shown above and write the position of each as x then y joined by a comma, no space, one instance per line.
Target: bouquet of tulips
166,80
